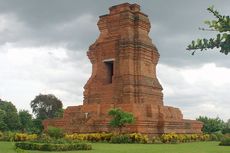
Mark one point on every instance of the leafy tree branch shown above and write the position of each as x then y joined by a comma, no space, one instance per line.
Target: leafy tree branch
222,39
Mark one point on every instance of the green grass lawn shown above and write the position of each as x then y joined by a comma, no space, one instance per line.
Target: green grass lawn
195,147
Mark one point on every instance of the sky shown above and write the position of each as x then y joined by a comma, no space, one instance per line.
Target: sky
43,45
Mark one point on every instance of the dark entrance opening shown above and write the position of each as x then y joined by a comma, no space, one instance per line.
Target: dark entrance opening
109,67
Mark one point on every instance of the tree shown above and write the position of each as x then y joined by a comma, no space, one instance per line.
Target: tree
3,125
25,119
120,118
37,126
11,116
211,125
226,128
222,26
59,113
45,106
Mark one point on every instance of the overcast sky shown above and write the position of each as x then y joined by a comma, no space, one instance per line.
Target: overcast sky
43,45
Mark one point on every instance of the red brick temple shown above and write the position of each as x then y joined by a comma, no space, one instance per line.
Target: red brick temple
123,76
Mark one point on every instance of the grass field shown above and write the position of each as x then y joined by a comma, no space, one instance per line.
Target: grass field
195,147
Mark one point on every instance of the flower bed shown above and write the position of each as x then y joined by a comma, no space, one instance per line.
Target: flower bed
109,137
138,138
180,138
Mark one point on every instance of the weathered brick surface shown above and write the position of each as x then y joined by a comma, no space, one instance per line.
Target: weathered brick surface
130,83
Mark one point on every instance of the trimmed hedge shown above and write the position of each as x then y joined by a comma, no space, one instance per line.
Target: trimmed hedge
52,147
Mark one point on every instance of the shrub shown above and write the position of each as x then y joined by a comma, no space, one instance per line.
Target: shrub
25,137
44,138
178,138
1,136
216,136
92,137
227,135
213,137
220,136
129,138
55,132
120,139
138,138
141,138
8,136
226,130
204,137
225,142
156,140
52,147
120,118
106,137
170,138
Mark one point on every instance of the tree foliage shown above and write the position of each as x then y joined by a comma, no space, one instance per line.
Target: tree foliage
26,120
3,125
10,119
226,128
222,41
59,113
120,118
211,125
37,126
46,106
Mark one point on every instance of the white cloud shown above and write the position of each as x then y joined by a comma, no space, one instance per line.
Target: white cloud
26,72
209,73
197,91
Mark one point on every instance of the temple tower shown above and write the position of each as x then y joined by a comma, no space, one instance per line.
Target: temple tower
124,76
124,60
